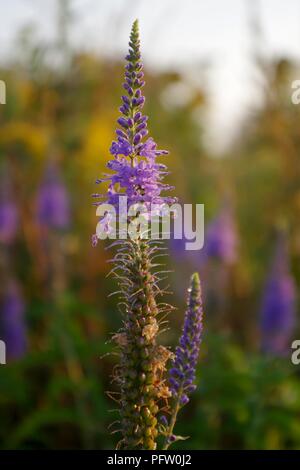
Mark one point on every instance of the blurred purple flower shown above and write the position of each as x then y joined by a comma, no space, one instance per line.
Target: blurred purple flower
220,242
177,248
53,208
12,321
278,303
8,213
221,237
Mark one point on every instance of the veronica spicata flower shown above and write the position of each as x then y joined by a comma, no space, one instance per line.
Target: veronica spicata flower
278,314
183,367
136,172
138,176
142,371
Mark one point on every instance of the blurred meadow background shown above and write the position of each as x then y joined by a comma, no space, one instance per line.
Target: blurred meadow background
218,90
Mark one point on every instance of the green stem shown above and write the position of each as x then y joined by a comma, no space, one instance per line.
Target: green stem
173,420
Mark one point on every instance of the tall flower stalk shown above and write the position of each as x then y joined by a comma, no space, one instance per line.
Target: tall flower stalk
142,371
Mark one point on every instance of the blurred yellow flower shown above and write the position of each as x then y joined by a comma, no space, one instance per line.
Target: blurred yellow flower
28,135
95,149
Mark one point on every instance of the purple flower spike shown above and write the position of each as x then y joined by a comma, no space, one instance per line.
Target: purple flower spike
221,237
278,304
136,173
183,368
12,321
182,372
53,208
141,376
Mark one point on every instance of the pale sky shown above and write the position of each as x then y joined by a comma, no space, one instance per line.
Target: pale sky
176,33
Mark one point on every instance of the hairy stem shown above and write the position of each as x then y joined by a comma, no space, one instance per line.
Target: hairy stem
138,369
